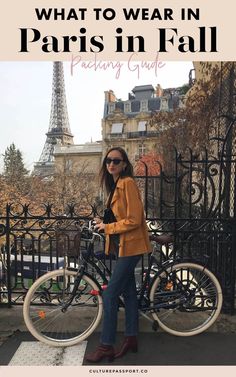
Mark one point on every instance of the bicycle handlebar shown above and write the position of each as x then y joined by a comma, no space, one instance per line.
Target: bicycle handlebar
92,232
163,239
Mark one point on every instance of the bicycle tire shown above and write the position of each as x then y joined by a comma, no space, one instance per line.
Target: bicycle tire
191,302
43,303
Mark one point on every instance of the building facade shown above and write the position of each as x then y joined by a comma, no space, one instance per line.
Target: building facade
126,123
78,158
77,168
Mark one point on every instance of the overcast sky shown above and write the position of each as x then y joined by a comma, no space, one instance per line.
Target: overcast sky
25,98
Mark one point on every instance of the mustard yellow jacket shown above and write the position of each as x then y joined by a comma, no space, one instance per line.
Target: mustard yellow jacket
127,207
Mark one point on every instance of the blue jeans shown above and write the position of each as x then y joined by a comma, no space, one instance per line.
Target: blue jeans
122,282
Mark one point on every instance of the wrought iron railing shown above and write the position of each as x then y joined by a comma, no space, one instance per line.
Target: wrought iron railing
132,135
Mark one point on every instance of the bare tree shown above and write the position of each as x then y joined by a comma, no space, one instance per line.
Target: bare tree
192,125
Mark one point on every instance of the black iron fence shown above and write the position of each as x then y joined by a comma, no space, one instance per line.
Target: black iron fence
190,204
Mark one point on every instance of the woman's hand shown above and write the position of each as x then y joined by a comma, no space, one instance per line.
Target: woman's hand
100,226
97,220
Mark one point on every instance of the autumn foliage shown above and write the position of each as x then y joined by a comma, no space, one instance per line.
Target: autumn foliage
192,125
149,164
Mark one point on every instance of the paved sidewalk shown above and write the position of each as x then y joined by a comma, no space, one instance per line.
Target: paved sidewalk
154,349
214,347
11,320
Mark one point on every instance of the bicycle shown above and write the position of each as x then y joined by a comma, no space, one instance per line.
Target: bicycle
63,307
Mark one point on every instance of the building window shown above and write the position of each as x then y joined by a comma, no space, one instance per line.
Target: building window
142,126
69,165
111,107
116,128
164,104
127,107
141,150
143,105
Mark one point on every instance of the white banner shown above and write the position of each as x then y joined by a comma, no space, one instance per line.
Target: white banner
79,29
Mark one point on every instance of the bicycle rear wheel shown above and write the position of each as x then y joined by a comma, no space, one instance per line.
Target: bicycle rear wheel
43,305
186,299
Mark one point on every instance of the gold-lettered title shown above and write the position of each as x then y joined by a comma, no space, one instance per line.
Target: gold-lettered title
165,39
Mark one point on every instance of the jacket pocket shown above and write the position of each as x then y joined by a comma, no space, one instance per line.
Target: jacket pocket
130,236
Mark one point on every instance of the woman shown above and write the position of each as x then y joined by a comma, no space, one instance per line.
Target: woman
127,233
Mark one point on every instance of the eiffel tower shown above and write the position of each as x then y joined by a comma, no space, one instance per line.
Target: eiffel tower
59,128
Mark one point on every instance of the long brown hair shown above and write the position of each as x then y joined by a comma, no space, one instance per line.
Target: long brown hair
106,177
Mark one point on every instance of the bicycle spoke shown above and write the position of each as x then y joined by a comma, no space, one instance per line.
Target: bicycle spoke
190,304
49,323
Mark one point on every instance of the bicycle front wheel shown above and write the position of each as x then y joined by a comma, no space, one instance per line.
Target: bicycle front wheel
186,299
44,305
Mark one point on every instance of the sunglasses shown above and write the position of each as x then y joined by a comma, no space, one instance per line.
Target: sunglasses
115,161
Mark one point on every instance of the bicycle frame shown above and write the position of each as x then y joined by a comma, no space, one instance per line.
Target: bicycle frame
144,304
142,293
